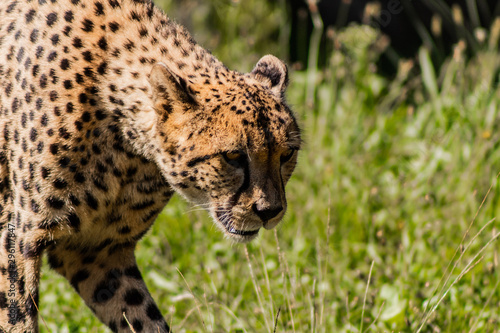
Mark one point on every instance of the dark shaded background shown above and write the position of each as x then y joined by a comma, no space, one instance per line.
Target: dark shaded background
407,23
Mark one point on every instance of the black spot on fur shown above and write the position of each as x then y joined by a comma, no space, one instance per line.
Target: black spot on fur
133,297
35,249
114,26
88,25
135,16
43,81
96,149
143,205
66,31
60,183
54,262
112,326
133,272
74,220
55,203
51,19
91,201
103,44
11,7
129,45
107,288
124,230
79,78
137,325
68,16
79,276
99,9
34,35
87,56
153,312
52,56
54,39
34,206
64,161
53,96
86,117
64,64
3,300
69,107
79,177
103,67
68,85
114,3
100,115
143,32
31,305
90,259
82,98
77,42
30,15
15,313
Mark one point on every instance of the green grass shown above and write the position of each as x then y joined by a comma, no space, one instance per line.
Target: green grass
390,178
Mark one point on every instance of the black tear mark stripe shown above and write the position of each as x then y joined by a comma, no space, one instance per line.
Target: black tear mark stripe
245,185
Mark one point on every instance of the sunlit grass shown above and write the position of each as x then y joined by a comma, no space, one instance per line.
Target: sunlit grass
392,174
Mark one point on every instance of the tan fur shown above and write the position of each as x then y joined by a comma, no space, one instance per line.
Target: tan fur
106,109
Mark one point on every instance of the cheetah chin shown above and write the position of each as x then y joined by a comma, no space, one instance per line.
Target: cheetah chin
240,236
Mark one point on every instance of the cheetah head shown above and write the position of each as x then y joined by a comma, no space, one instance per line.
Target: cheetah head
229,142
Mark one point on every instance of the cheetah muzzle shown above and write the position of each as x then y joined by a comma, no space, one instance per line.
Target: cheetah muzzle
107,108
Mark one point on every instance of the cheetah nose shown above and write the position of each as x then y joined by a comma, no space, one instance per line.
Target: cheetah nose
266,214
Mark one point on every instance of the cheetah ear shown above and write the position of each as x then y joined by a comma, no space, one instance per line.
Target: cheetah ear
169,88
272,73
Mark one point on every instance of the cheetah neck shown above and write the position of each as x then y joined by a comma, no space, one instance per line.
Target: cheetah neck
136,36
131,37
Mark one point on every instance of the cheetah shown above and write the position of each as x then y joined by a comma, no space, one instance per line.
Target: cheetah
108,108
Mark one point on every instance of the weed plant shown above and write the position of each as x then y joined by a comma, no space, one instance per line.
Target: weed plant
393,210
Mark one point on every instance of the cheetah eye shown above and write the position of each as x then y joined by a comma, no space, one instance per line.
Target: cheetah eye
235,158
287,155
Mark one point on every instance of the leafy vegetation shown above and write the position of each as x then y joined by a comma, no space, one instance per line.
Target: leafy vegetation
392,220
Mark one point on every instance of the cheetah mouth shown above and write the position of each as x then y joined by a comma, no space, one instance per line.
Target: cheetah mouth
226,220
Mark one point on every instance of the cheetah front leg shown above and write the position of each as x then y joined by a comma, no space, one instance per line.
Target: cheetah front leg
20,260
108,279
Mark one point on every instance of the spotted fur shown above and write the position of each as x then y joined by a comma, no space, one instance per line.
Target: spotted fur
106,109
